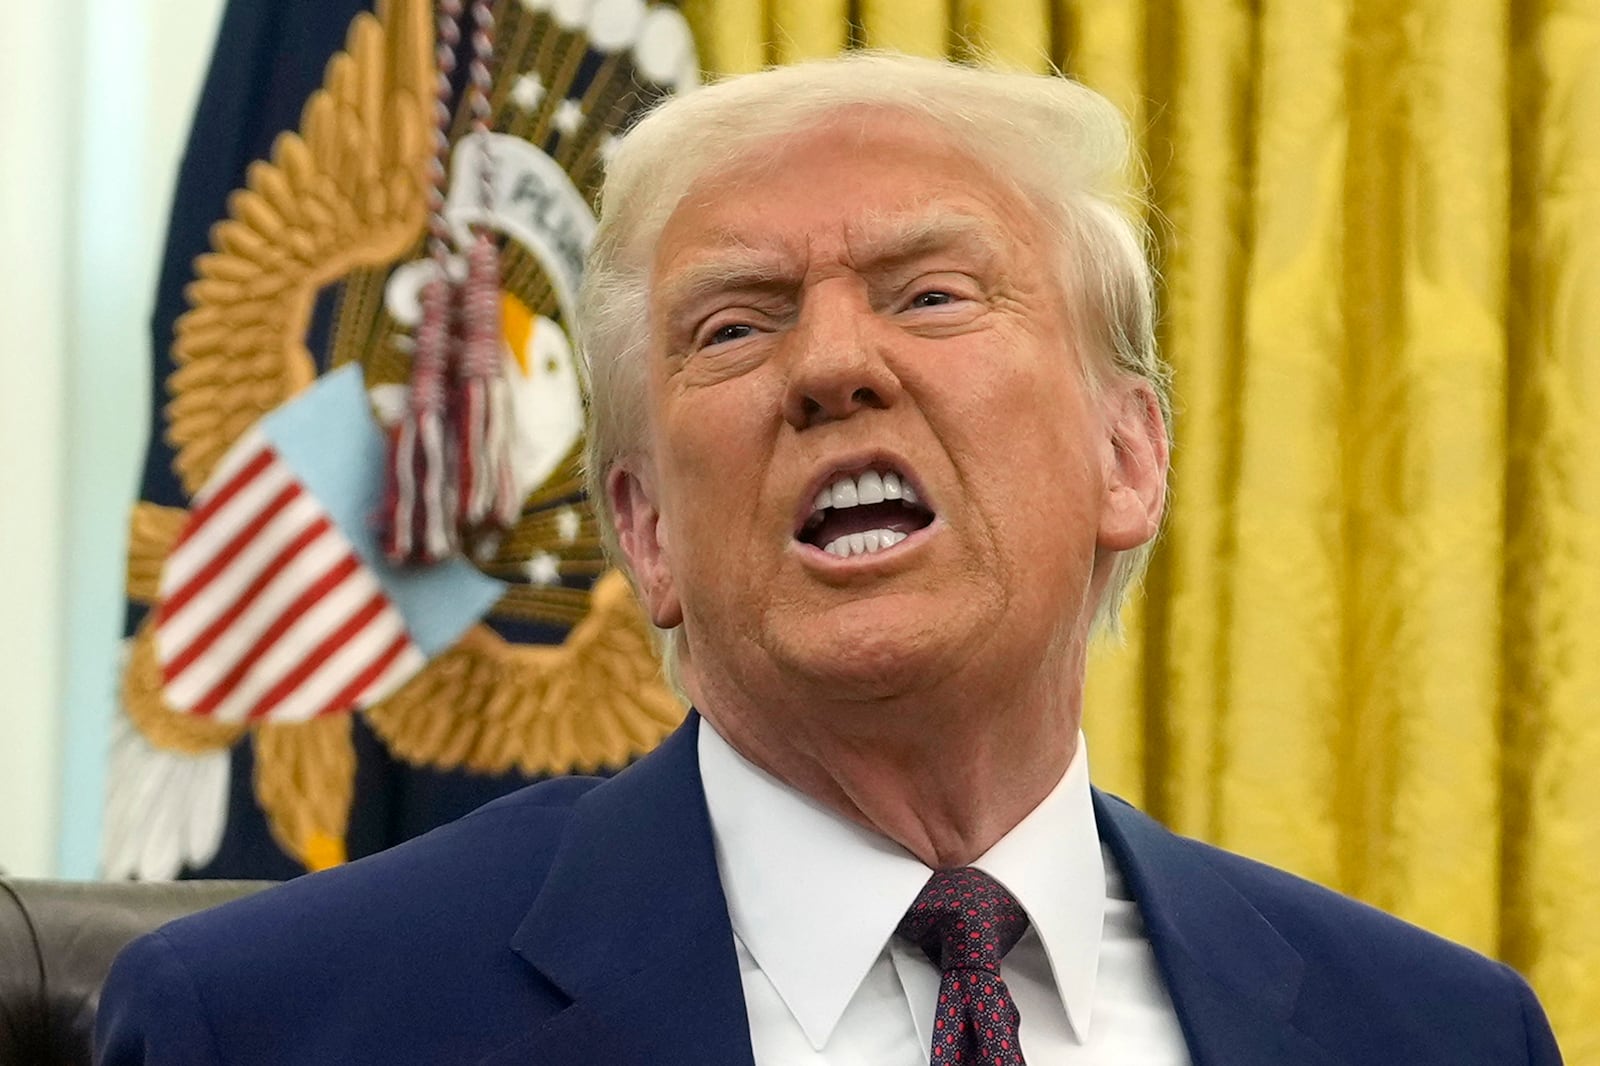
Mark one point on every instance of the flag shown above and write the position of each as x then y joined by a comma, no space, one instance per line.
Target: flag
266,611
275,604
289,701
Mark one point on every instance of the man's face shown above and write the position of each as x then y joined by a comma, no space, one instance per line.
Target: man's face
862,313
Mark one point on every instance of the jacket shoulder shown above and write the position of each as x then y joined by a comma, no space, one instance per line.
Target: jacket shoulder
1325,925
387,937
1419,997
1418,989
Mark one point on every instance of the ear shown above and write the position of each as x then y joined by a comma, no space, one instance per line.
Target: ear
1135,467
642,533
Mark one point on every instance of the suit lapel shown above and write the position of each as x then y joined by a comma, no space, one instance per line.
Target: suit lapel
632,926
1234,981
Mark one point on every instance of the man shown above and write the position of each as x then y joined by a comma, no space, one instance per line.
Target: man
880,433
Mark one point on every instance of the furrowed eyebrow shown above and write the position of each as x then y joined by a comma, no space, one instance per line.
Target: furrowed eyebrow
734,267
882,243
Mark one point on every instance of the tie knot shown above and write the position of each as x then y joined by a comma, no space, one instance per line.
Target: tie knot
964,919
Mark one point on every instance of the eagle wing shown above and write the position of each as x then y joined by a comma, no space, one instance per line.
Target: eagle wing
596,700
346,192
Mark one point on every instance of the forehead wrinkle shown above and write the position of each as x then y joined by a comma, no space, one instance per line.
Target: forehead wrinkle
887,239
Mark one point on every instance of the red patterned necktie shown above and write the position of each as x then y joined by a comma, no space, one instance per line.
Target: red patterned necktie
965,922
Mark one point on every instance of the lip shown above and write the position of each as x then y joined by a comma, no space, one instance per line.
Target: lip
851,466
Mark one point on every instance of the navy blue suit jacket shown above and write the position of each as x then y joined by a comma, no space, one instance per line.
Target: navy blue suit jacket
580,921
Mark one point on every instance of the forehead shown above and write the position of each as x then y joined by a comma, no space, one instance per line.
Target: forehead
854,187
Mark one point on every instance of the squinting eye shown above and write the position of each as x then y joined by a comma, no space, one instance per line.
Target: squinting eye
732,332
934,298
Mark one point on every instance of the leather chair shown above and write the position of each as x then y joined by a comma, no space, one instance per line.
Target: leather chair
57,941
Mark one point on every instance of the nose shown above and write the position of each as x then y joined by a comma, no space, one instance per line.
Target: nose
837,364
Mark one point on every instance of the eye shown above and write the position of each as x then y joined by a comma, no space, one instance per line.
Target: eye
733,331
932,298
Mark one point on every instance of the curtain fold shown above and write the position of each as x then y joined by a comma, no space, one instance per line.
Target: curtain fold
1285,699
809,29
1202,167
1553,530
1425,286
1369,646
1017,33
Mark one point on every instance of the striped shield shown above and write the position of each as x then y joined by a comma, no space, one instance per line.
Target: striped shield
275,605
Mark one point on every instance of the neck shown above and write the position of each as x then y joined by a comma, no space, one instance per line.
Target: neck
943,774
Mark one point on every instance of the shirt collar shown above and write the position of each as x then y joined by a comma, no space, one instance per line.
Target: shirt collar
815,897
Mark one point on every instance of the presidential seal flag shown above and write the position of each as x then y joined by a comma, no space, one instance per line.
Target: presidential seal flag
293,698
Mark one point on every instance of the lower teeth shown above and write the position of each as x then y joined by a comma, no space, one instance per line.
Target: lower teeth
864,543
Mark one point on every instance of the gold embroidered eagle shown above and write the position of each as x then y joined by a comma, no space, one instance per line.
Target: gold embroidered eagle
339,206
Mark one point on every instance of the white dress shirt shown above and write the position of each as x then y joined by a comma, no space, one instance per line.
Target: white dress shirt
814,900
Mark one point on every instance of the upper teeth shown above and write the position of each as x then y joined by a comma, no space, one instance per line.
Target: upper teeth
870,487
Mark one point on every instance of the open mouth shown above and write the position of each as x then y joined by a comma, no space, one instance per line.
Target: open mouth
865,513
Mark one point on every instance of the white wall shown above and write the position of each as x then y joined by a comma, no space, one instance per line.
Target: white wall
36,111
94,110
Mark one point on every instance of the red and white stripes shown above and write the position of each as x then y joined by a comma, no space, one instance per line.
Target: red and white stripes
267,612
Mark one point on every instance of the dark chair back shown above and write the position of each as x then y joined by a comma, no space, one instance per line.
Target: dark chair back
57,941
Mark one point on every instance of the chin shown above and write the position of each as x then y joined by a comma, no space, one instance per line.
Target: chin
868,654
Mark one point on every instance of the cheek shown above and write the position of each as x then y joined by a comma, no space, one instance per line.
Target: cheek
1017,406
713,447
701,409
1022,437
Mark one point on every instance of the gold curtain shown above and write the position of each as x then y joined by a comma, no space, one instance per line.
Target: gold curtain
1369,646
